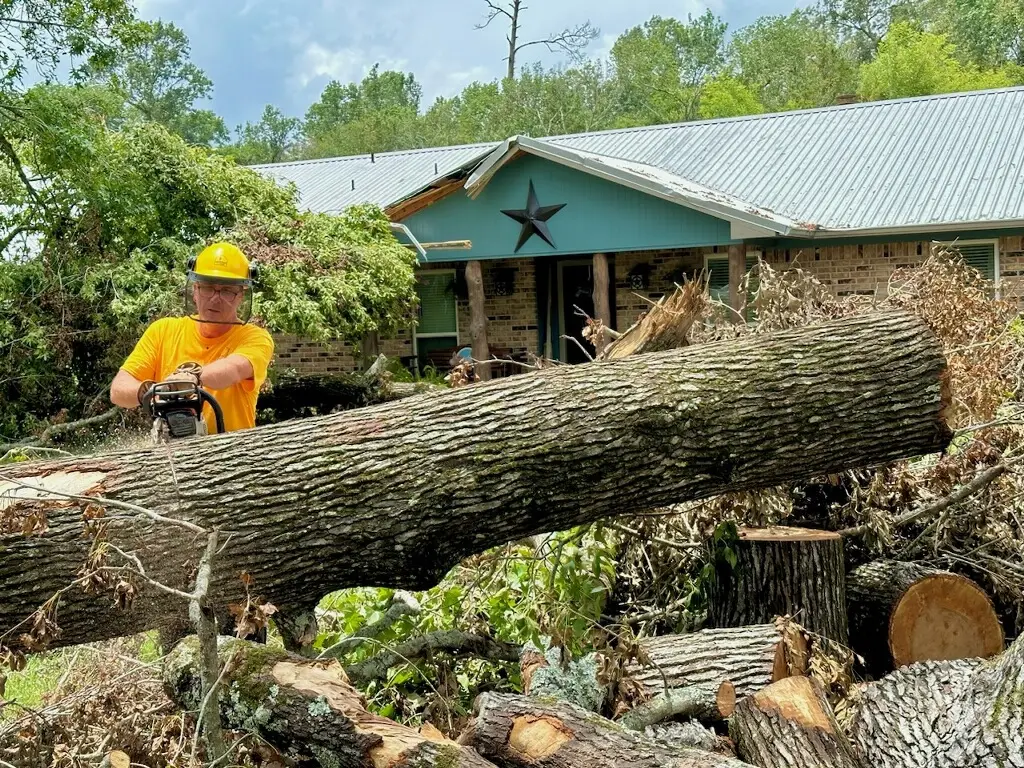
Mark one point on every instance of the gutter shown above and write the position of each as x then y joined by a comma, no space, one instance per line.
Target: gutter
401,228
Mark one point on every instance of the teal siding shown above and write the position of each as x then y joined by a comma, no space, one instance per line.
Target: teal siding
599,216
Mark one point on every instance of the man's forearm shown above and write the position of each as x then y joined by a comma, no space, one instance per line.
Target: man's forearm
226,372
124,390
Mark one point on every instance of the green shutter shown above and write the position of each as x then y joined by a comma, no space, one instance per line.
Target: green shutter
437,302
718,278
981,256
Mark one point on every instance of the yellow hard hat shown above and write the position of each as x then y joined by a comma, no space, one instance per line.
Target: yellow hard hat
221,263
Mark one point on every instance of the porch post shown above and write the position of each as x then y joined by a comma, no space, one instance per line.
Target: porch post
602,307
478,318
370,349
737,268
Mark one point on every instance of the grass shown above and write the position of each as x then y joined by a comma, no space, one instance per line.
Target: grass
44,671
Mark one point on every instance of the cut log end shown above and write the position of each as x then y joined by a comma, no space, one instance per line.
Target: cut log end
942,617
795,699
783,533
725,699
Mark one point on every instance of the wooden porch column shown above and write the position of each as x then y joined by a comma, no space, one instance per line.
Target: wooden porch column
602,307
478,318
370,349
737,268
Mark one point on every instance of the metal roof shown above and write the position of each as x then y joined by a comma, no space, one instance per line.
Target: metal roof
330,185
908,164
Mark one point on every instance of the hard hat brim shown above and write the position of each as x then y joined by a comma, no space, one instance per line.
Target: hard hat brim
217,277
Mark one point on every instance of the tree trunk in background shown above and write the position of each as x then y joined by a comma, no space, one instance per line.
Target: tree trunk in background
396,494
524,732
602,305
478,318
789,724
901,613
308,707
737,269
797,572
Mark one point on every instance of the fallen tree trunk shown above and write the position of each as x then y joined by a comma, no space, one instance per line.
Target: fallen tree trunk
913,717
901,613
525,732
783,572
396,494
945,714
308,709
750,658
789,724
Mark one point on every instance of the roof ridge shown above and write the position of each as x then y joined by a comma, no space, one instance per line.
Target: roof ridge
789,112
367,155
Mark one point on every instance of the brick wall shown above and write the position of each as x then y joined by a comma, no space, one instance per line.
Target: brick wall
512,319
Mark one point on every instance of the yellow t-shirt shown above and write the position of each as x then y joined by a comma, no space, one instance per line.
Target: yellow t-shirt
171,341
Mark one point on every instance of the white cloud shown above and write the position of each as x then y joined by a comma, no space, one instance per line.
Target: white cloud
317,62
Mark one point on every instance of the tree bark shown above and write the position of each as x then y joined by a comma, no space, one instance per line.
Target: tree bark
945,714
478,319
307,707
750,658
795,572
525,732
396,494
914,716
602,306
790,725
901,613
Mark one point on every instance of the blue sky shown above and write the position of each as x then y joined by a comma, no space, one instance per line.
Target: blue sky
283,52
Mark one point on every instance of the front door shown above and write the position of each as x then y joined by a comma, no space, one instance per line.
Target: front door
576,285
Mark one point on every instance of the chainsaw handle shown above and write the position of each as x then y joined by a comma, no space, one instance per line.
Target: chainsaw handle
205,397
218,413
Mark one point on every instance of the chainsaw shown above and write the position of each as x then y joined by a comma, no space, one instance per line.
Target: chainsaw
176,408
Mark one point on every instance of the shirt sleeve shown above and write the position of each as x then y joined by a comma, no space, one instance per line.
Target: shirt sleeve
258,349
143,362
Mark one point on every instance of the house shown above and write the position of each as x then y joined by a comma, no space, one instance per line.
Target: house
849,193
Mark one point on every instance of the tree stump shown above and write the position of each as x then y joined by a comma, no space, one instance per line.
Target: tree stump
779,571
901,613
789,724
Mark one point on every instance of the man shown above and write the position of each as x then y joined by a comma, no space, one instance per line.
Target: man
213,347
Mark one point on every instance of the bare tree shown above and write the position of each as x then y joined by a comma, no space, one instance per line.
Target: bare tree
571,40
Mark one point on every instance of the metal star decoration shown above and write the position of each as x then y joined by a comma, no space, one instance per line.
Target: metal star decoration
534,218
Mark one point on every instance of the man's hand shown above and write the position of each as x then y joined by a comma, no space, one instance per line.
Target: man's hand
189,373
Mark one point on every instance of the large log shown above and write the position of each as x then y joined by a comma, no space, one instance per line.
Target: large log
750,658
783,572
526,732
901,613
790,724
945,714
396,494
307,709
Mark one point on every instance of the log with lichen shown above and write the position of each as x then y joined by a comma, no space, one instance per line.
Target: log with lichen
307,710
